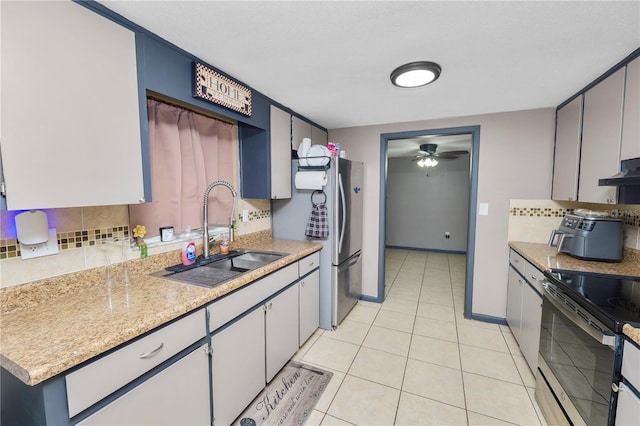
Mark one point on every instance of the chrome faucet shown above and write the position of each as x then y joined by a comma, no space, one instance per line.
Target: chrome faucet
205,216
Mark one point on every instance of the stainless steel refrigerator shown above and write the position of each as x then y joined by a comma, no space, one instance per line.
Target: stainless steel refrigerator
341,256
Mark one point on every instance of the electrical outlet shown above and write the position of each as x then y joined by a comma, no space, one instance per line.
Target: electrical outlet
447,235
245,215
28,251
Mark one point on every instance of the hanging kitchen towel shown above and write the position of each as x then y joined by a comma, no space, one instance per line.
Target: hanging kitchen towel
318,224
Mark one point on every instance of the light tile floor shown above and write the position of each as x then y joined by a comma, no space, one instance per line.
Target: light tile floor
415,360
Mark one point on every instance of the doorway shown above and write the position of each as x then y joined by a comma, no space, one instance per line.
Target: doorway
424,148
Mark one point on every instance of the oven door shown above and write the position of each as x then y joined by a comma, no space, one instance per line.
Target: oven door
577,360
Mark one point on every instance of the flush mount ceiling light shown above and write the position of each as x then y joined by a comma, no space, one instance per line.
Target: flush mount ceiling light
415,74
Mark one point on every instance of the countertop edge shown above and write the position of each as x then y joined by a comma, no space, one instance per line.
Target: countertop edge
31,375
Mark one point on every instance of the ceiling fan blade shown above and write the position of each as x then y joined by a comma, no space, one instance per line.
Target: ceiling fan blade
454,152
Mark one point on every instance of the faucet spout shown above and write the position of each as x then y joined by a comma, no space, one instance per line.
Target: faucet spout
205,214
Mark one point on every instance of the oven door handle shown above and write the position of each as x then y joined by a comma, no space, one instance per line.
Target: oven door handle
585,324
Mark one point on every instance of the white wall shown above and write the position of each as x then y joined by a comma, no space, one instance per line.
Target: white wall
515,161
424,203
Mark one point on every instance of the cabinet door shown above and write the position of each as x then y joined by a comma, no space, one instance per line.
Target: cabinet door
178,394
530,326
300,129
309,298
628,410
601,132
70,108
281,330
280,151
319,136
567,151
237,366
630,146
514,302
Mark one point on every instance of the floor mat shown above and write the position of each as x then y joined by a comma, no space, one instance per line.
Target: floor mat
289,398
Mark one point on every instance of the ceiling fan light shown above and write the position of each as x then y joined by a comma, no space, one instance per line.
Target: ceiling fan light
415,74
421,162
434,163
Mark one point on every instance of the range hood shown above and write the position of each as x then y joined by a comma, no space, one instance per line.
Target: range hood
627,181
629,175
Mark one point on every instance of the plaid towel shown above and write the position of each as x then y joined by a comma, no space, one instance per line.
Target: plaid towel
318,224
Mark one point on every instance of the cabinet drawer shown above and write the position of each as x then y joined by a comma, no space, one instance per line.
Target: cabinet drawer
229,307
93,382
308,264
631,364
517,261
177,395
534,276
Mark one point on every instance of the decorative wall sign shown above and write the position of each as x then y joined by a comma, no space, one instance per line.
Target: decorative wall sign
216,88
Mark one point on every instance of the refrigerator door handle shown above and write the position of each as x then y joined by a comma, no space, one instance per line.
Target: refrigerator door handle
344,213
349,263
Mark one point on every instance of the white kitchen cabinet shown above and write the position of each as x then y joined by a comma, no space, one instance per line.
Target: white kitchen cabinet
70,108
309,306
255,332
567,151
524,306
280,150
530,326
178,394
300,129
630,145
237,366
601,134
515,290
319,136
628,410
88,385
281,330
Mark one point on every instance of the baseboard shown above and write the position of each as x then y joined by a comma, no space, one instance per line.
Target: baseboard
426,249
488,318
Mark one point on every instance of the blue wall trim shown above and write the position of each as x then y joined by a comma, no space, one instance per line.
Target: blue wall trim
473,200
427,250
366,298
488,318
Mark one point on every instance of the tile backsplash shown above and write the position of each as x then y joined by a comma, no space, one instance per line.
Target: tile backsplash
533,220
90,237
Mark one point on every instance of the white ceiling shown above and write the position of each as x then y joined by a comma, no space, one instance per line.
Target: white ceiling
330,60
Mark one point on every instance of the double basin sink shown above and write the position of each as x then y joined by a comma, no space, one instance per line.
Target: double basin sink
218,269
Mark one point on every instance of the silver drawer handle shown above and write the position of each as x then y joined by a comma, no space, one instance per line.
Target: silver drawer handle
152,353
311,263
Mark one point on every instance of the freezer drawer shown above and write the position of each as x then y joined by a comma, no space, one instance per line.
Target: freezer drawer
348,288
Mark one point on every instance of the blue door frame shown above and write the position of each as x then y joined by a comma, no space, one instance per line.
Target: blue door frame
474,131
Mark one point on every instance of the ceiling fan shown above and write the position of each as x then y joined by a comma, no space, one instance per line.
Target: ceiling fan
428,155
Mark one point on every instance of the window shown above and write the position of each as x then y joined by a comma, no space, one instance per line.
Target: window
187,152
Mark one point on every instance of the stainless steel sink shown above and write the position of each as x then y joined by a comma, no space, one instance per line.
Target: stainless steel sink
219,269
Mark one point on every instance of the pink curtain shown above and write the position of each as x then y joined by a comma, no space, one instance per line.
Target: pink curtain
188,151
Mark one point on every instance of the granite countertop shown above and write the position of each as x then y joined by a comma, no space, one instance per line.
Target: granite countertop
50,326
547,258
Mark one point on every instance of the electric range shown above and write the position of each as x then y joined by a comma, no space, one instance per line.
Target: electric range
613,299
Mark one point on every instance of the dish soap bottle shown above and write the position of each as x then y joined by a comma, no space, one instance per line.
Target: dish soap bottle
189,253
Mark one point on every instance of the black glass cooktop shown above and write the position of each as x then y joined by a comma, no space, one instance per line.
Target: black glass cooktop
613,299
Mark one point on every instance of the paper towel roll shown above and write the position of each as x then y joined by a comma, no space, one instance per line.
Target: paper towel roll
311,180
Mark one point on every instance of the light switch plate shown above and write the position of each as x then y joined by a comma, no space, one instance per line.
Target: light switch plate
245,215
28,251
483,209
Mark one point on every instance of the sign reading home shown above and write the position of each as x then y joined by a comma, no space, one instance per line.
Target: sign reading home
216,88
